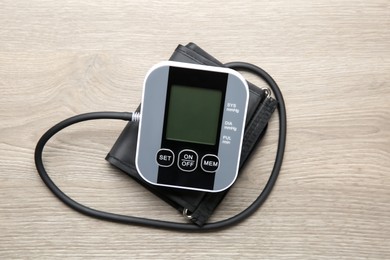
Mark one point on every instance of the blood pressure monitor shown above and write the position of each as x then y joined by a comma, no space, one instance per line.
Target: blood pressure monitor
192,126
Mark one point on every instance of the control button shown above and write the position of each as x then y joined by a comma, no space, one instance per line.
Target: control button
209,163
165,157
187,161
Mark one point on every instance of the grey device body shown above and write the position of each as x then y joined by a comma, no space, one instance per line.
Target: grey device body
192,126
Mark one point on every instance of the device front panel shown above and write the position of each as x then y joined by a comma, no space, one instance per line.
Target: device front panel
192,127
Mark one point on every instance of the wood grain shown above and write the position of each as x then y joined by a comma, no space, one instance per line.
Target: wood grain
331,60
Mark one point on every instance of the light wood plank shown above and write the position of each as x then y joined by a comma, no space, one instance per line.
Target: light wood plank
331,60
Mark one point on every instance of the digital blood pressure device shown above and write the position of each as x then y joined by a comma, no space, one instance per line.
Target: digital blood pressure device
192,126
188,134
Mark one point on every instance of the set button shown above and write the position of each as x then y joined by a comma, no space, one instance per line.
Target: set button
165,157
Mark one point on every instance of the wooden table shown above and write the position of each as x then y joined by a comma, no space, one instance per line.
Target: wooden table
331,60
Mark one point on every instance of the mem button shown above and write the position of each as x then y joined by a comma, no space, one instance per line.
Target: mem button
165,157
209,163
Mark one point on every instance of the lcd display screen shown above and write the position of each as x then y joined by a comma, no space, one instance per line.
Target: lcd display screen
193,114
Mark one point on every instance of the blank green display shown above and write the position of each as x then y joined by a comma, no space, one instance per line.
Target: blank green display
193,114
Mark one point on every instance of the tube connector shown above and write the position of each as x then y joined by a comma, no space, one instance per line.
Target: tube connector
136,116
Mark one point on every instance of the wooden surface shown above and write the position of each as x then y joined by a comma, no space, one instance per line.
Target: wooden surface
331,60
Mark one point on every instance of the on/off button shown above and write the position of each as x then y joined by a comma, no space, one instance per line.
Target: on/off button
165,157
187,160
